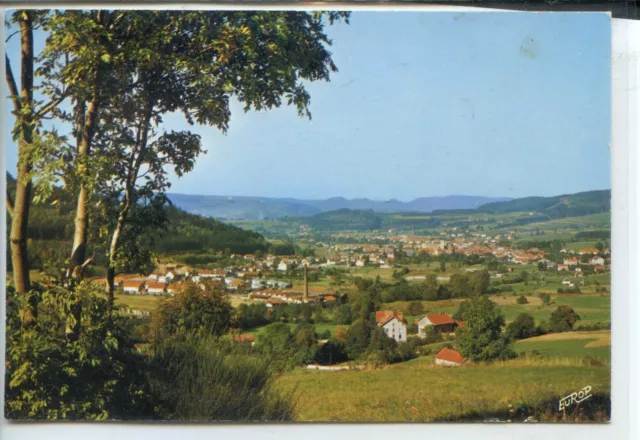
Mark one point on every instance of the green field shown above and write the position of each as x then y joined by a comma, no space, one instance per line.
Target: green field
144,303
423,392
572,344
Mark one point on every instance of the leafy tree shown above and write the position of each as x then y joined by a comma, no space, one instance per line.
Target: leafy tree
443,266
563,319
522,300
546,298
331,352
381,347
415,308
481,338
306,341
341,333
522,327
479,282
193,311
344,314
358,338
459,286
33,143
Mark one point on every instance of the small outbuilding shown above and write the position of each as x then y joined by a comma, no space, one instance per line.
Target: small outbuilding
449,358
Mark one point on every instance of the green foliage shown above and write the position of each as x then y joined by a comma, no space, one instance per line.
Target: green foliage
522,300
522,327
481,338
75,362
251,315
331,352
193,311
415,308
563,319
358,338
206,379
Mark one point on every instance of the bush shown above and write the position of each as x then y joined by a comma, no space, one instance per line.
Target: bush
522,300
325,334
331,352
205,379
522,327
193,311
75,361
415,308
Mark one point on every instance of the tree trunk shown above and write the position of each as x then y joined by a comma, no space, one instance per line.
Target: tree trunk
113,248
80,238
22,200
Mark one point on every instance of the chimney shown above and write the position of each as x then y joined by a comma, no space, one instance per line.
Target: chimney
306,284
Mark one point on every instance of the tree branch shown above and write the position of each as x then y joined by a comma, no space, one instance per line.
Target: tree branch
53,104
13,87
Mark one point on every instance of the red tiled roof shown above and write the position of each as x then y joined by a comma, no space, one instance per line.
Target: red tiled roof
439,318
384,316
447,354
155,285
137,284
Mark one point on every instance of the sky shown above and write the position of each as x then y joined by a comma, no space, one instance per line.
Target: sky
427,104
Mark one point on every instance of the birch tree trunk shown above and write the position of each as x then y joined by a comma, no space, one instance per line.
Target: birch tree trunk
23,195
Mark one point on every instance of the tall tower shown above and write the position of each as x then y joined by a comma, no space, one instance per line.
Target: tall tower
306,285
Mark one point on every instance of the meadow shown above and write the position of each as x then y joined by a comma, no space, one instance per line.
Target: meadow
423,392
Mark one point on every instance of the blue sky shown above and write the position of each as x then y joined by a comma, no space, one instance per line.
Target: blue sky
429,104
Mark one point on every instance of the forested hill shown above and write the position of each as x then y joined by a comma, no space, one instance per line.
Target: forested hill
186,232
568,205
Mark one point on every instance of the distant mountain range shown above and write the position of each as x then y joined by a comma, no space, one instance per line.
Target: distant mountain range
258,208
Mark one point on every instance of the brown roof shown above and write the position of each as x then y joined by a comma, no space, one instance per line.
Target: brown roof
439,318
384,316
447,354
137,284
155,285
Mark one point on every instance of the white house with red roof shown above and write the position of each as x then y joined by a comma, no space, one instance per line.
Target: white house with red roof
393,324
441,322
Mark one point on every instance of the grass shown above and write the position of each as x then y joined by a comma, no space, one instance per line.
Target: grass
144,303
423,392
571,344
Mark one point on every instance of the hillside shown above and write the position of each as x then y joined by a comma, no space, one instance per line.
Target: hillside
51,228
259,208
567,205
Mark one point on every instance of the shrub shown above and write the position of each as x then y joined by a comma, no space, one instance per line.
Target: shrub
193,311
415,308
522,327
331,352
522,300
75,361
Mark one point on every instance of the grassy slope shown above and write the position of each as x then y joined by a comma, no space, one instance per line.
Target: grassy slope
425,392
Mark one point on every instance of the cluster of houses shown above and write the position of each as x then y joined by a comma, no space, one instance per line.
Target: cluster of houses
395,327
